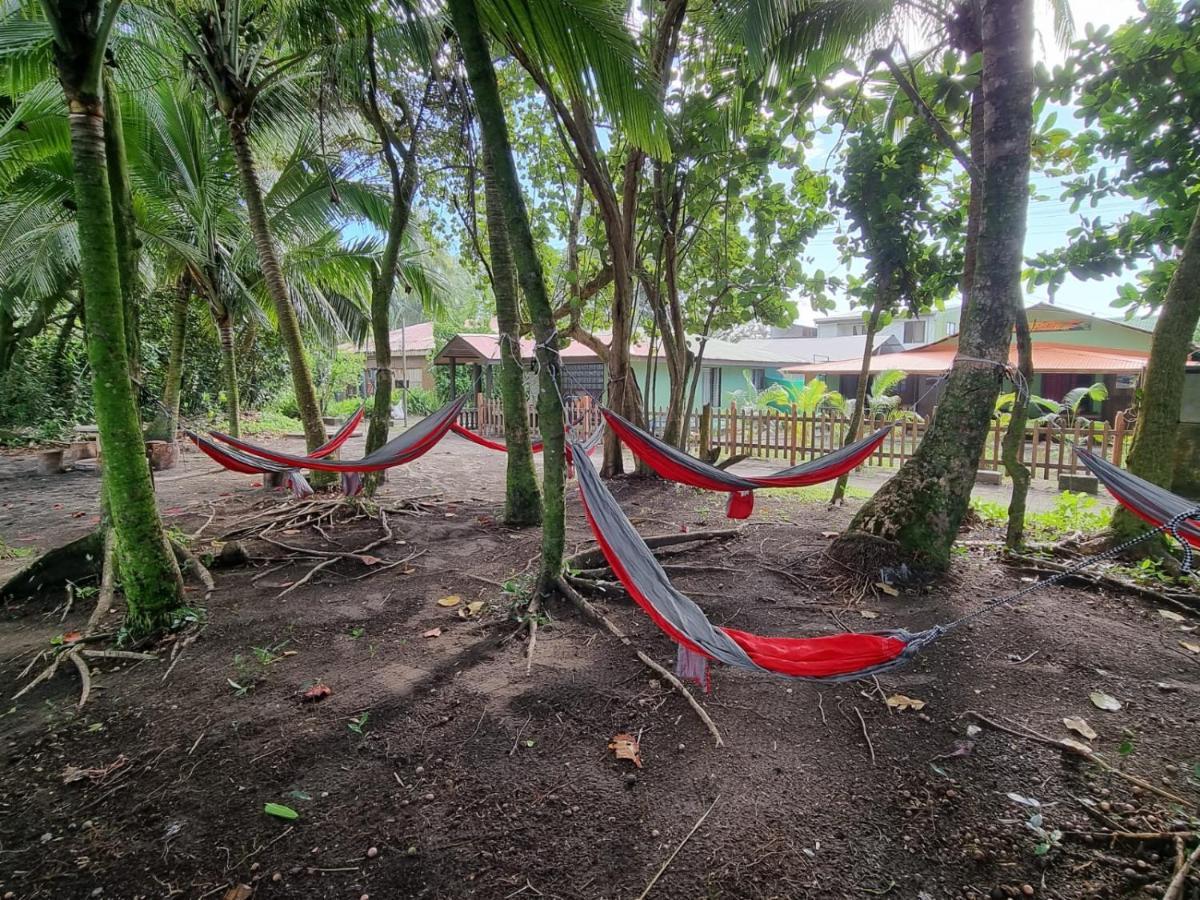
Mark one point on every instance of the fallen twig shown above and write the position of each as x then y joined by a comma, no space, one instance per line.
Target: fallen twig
588,559
195,535
863,723
1175,888
332,558
85,677
1080,751
596,616
532,613
1099,579
671,858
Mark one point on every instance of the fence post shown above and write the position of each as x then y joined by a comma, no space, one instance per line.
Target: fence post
1118,455
732,427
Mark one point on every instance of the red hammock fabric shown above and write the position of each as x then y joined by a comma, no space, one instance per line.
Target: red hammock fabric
479,439
341,436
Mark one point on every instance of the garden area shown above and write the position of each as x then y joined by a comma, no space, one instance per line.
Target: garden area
289,610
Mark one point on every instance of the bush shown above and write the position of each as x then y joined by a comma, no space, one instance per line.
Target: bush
421,402
343,409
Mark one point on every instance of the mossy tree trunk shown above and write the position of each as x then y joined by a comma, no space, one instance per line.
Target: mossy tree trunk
498,148
920,508
128,243
1013,448
864,376
1152,454
272,272
521,499
149,574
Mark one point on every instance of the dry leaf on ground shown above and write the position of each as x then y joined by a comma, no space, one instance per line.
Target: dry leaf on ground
1104,701
1170,616
432,633
625,746
1079,725
1190,646
868,614
452,600
318,691
899,701
887,588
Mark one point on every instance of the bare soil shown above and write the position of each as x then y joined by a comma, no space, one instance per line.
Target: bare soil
471,779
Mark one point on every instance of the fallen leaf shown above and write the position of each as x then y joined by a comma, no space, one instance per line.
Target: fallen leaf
830,534
318,691
368,560
1082,748
868,614
291,652
290,531
625,746
475,607
1170,616
1024,801
452,600
887,588
239,892
1190,646
432,633
961,748
1108,702
73,773
973,730
70,637
1080,726
279,811
899,701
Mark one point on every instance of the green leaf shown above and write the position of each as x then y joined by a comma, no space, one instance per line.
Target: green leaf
279,811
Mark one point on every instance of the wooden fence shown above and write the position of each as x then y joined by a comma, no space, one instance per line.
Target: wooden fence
792,437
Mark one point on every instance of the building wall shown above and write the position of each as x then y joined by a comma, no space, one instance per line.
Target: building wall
936,325
415,367
1061,326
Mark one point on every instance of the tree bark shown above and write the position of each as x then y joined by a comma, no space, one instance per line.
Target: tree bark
166,423
521,498
974,206
921,507
268,258
149,574
498,148
233,403
864,374
128,244
1013,448
1152,454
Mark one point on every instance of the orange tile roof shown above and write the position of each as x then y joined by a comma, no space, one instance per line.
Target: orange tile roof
1048,358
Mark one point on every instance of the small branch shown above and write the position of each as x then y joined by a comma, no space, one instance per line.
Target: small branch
863,723
598,617
590,559
671,858
195,535
1080,751
1175,888
85,677
532,612
944,137
1098,579
331,558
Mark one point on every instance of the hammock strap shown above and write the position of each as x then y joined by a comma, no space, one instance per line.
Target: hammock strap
1171,527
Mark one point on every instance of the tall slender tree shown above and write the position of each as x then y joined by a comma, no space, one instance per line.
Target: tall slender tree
149,574
920,508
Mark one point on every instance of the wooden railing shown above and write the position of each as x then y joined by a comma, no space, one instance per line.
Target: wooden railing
792,437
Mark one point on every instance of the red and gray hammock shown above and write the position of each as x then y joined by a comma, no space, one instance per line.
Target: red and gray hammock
675,465
1152,504
838,657
245,464
402,449
476,438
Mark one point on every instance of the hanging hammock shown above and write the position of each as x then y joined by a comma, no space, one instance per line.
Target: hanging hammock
245,464
675,465
1149,502
839,657
479,439
340,436
398,451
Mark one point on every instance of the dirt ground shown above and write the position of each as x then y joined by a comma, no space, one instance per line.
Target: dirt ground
465,777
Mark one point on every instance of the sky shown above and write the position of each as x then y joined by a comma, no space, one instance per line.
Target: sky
1049,218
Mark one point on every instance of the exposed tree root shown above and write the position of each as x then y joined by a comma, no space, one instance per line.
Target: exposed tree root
593,614
85,678
108,583
1176,887
594,558
78,561
1099,579
535,605
331,558
192,562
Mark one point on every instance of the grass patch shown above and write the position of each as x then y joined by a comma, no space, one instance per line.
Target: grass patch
269,421
814,493
1071,513
9,552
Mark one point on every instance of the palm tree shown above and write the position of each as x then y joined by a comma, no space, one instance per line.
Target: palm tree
239,52
76,34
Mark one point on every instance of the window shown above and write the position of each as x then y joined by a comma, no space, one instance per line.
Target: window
858,329
412,377
914,331
758,377
951,329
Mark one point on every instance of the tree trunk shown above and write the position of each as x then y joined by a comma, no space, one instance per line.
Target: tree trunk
128,244
233,402
975,205
166,423
288,323
1152,454
920,508
1013,448
149,574
529,270
521,499
864,374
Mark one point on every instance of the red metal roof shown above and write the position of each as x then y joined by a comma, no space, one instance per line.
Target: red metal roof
471,348
1048,358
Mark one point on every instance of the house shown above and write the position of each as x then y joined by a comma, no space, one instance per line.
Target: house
1070,349
912,331
410,367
